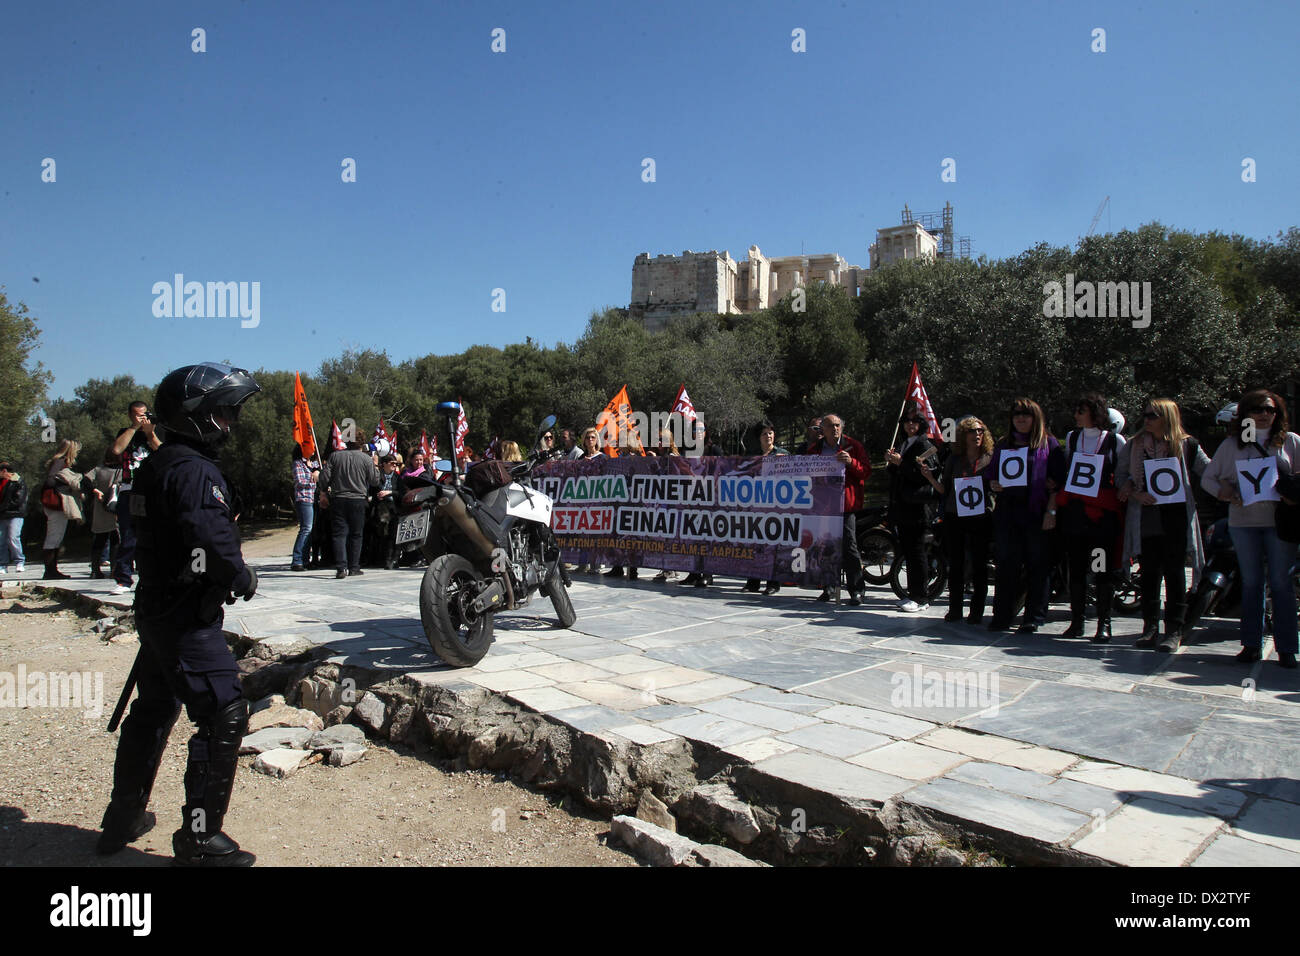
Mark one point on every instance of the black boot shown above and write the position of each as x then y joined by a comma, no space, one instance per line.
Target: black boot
1103,634
1173,638
52,572
1150,633
209,779
1076,626
139,752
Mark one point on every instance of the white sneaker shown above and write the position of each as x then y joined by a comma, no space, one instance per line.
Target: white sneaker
911,607
6,570
19,569
121,589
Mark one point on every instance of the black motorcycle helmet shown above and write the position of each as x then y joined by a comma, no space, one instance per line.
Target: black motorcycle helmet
201,402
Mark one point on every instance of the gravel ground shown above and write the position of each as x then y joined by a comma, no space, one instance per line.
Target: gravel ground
392,808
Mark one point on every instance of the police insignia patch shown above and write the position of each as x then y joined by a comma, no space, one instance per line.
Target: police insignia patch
216,493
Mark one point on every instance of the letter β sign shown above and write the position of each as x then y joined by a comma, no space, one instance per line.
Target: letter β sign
969,494
1013,468
1257,479
1165,480
1085,474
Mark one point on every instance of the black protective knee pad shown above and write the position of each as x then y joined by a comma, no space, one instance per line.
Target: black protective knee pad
230,723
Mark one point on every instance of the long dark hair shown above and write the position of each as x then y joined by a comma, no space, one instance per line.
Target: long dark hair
1249,401
1038,433
912,410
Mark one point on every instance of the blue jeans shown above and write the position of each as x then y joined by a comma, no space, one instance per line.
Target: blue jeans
305,519
11,541
1254,546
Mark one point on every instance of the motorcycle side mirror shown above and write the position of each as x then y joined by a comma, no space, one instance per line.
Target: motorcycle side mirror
442,464
547,424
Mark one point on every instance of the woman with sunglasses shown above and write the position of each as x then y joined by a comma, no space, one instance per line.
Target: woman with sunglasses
1091,517
1163,534
1025,517
972,450
1253,527
910,491
766,446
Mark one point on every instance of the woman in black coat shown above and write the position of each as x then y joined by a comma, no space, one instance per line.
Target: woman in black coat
910,492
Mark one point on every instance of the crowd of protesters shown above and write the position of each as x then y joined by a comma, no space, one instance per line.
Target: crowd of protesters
347,511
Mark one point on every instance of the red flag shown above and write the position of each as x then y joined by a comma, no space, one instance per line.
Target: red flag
303,432
336,436
684,405
493,445
462,429
916,393
425,450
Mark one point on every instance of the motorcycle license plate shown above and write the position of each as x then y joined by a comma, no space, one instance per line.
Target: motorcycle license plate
413,528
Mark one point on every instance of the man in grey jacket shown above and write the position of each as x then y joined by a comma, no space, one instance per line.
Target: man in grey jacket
348,477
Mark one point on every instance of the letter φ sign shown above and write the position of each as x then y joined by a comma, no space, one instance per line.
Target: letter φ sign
969,494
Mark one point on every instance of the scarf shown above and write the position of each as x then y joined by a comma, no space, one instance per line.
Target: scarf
1037,471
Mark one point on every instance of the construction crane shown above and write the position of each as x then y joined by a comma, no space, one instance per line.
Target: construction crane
1098,215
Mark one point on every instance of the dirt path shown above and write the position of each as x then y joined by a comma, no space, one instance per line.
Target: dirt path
392,808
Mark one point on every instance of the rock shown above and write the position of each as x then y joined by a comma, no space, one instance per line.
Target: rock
370,712
481,749
338,715
710,855
282,715
336,737
653,810
717,804
346,753
909,851
434,724
272,738
400,728
120,634
658,846
318,695
947,856
280,763
264,703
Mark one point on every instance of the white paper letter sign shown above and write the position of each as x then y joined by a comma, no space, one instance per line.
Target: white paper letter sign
1165,480
1013,468
969,493
1257,479
1085,474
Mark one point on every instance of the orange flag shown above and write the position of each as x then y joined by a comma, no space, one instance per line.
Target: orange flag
616,421
303,432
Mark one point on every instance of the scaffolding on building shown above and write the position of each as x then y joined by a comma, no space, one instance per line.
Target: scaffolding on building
939,225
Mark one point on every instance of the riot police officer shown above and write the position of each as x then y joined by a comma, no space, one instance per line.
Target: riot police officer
189,561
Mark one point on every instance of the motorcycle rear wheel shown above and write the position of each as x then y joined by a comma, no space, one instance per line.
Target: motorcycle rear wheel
937,573
1198,604
559,596
448,586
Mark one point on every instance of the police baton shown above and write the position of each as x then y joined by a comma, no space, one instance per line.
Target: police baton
126,692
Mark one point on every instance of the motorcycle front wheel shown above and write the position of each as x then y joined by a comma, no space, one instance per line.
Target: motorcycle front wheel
458,636
559,596
876,546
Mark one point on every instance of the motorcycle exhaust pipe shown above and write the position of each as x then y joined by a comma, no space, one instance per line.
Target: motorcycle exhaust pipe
453,508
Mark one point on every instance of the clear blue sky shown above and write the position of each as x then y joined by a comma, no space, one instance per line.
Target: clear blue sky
522,170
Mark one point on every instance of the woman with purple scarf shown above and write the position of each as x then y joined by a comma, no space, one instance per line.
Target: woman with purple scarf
1024,517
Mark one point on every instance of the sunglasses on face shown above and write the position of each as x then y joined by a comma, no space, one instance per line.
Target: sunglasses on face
1022,413
977,431
1264,410
1150,416
916,421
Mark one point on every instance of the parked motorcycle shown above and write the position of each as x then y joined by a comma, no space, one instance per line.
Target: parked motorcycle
487,535
1220,585
877,543
936,561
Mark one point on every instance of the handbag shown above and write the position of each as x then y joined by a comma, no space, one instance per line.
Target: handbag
51,499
